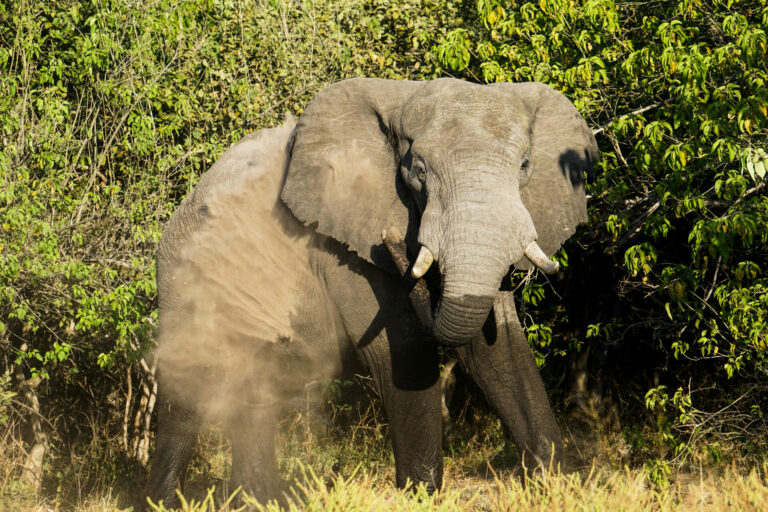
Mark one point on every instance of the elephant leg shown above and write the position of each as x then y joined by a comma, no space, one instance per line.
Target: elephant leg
379,320
501,363
405,366
254,464
177,428
415,418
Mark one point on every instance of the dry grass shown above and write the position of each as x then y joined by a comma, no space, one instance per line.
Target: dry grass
594,491
349,467
597,490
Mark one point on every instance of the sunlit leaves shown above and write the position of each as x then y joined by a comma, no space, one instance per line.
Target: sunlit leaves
454,51
755,162
640,259
678,91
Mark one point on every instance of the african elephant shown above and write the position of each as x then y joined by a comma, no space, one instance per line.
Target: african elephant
272,272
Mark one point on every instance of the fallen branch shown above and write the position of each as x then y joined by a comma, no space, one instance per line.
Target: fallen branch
419,294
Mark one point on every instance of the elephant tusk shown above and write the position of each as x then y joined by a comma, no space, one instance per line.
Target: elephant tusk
538,258
423,262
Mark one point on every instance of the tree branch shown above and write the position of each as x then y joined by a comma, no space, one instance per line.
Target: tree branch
634,112
728,204
638,225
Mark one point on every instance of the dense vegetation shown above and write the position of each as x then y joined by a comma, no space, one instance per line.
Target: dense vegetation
674,257
111,110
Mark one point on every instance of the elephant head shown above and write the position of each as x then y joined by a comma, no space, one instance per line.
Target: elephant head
479,177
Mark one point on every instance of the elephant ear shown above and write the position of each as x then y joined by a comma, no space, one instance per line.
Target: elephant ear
342,176
563,150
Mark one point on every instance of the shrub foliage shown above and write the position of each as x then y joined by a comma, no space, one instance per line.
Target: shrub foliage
675,254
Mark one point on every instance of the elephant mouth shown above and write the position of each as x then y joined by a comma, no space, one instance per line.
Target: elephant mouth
445,323
533,252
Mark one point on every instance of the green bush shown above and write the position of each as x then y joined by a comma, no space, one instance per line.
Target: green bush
676,92
109,114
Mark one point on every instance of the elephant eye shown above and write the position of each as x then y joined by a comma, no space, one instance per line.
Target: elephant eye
525,169
419,171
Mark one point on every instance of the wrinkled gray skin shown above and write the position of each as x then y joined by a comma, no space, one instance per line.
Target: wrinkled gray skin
272,273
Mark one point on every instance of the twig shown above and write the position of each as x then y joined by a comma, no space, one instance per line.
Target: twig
728,406
108,261
617,148
524,281
714,279
633,113
85,141
127,411
33,411
747,193
638,225
284,23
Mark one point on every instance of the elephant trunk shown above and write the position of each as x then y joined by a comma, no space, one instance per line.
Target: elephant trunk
482,229
469,289
459,319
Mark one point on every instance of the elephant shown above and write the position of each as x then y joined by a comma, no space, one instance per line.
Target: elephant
272,272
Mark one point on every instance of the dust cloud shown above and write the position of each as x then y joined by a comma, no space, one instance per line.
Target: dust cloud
233,278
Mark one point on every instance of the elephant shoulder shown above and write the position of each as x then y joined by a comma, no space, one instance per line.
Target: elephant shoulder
248,172
234,246
255,161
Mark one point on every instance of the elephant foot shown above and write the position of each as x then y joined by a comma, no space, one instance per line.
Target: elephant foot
430,477
263,494
547,458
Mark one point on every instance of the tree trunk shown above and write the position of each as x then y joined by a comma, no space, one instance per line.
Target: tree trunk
32,473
